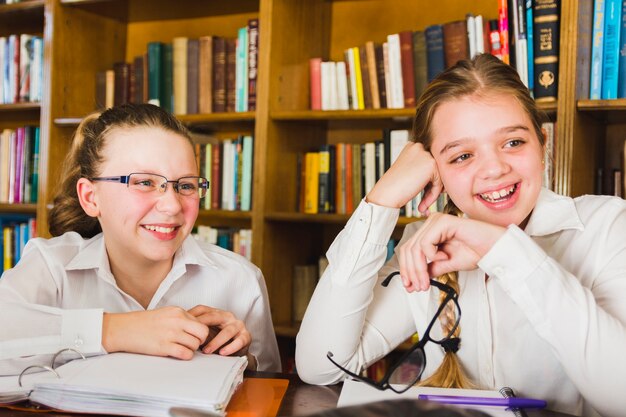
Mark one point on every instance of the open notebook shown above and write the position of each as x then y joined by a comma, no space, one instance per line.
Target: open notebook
355,392
132,384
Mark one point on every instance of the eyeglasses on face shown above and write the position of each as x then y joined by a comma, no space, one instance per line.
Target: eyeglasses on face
408,369
143,182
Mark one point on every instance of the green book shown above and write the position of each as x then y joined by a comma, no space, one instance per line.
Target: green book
155,52
246,174
35,166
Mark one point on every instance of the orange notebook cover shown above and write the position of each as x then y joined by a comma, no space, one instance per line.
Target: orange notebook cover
257,397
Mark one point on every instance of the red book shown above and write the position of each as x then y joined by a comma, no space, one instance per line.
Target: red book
315,71
503,23
253,56
406,62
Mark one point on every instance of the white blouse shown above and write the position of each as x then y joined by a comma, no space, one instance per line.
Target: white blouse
550,322
54,298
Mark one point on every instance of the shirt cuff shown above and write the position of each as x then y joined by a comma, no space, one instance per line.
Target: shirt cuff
513,259
82,330
372,223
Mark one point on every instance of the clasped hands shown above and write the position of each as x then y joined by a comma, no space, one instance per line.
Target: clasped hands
175,332
444,243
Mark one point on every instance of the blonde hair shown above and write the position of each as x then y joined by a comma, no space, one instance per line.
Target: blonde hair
484,75
85,157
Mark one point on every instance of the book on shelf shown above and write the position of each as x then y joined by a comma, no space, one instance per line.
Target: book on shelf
155,52
131,384
231,74
179,76
253,58
193,85
315,83
621,64
455,43
406,66
546,14
205,74
420,63
610,54
365,78
241,70
219,74
21,68
19,164
436,60
15,231
121,83
232,239
370,54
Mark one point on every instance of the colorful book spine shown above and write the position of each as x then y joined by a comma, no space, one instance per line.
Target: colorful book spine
246,175
546,49
434,51
621,77
155,52
241,77
612,27
253,59
315,83
597,50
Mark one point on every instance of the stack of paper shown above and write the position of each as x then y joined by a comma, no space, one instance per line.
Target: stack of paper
138,385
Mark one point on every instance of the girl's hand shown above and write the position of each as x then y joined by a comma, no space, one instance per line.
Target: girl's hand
167,331
228,334
414,170
444,244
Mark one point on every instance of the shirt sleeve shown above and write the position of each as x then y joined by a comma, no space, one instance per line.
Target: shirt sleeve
34,327
584,324
349,314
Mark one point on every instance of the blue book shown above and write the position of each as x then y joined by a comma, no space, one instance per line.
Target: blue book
597,43
246,174
435,57
621,76
241,70
610,62
529,43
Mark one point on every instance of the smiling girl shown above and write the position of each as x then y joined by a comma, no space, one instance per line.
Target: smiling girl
540,277
123,272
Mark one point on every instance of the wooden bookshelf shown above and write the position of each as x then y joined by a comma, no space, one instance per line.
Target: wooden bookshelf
83,37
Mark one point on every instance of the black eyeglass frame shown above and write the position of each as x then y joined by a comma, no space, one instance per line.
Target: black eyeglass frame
384,384
125,179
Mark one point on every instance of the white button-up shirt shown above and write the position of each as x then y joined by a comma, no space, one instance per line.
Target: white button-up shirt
550,321
54,298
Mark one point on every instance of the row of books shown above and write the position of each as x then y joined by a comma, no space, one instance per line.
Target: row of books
19,165
392,74
607,79
21,67
211,74
228,165
16,231
335,178
235,240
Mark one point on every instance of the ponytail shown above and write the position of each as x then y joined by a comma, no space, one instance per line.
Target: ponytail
450,373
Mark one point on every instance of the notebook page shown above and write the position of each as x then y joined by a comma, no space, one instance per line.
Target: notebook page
355,392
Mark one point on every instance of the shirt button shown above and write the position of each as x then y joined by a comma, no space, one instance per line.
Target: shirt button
78,342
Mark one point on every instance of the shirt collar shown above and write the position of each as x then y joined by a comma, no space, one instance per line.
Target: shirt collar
553,213
93,255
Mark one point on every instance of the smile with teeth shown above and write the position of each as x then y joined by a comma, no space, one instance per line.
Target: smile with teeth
496,196
160,229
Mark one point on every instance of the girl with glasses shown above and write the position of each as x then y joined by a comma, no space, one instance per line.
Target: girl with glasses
122,272
541,277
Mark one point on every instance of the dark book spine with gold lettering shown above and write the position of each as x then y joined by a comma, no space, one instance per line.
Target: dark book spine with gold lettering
546,16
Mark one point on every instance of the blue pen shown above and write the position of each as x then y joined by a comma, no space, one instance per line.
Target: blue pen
514,402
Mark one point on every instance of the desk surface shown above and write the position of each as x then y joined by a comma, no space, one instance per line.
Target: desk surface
299,400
